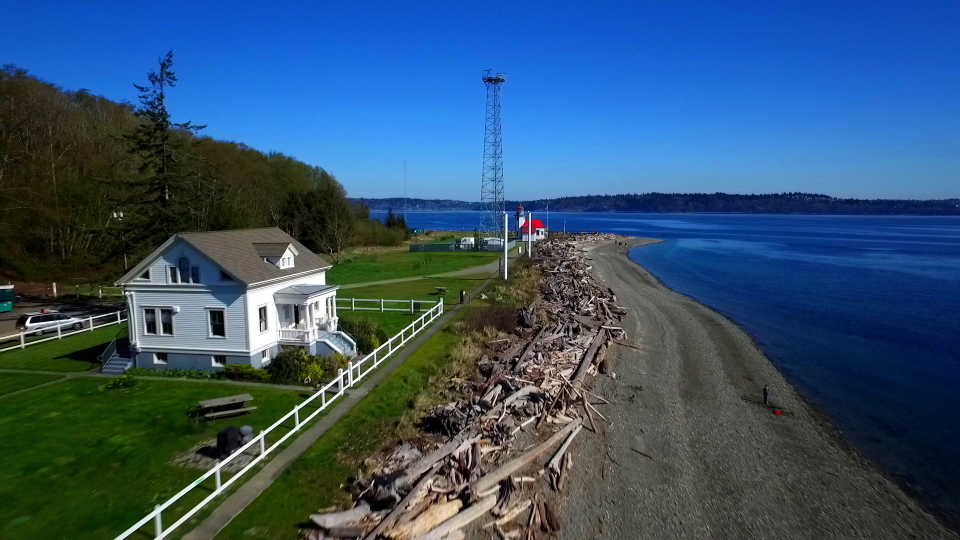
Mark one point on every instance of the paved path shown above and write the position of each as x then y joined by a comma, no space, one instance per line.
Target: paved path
249,491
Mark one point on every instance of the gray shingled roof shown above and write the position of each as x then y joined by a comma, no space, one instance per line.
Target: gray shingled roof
272,249
235,252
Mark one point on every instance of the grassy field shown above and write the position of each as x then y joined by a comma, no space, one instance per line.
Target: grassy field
421,289
402,264
83,462
390,321
314,480
11,382
73,353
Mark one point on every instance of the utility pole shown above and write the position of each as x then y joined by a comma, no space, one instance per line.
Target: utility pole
530,234
405,191
506,230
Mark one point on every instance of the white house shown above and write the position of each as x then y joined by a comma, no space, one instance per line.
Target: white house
207,299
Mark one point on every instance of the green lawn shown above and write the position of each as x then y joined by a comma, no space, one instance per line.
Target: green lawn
11,382
390,321
421,289
314,480
403,264
78,352
83,462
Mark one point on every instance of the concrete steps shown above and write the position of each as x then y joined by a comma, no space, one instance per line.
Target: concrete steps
116,365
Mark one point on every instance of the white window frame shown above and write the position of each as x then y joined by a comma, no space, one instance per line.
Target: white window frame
156,323
265,358
213,360
264,323
210,310
141,278
173,273
158,320
158,361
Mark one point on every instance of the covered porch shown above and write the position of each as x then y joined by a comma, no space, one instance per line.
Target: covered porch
306,313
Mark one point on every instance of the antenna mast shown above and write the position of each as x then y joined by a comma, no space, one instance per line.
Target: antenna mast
491,190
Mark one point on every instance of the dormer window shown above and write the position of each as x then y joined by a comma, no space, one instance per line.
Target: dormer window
184,273
282,255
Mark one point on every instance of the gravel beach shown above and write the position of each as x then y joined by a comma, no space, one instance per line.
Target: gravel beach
692,452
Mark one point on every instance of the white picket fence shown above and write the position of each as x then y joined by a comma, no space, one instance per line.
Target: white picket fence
344,380
92,323
380,304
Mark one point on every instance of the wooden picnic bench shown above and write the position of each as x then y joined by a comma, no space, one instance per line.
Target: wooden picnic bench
441,291
225,406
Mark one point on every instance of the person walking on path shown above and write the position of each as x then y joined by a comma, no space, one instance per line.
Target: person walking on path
766,395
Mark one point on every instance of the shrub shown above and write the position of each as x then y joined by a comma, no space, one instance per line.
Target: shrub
331,364
365,332
314,372
290,366
245,372
177,373
123,381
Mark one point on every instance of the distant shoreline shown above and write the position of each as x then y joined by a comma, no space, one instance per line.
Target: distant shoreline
723,203
385,210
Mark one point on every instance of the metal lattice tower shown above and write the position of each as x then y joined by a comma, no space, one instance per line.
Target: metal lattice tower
491,191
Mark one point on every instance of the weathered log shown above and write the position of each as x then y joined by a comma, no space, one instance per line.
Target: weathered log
486,482
554,462
550,516
588,356
399,509
461,520
341,519
425,522
490,398
426,462
511,514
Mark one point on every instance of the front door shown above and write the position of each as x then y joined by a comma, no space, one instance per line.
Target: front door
296,314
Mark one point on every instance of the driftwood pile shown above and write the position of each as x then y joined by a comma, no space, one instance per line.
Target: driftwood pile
530,388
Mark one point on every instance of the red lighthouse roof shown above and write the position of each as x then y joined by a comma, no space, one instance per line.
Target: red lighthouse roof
536,223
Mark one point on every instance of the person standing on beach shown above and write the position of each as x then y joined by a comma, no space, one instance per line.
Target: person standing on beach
766,395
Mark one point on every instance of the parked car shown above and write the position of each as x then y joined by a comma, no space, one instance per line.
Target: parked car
38,323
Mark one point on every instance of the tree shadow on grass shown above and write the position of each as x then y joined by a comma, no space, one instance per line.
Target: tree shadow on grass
90,355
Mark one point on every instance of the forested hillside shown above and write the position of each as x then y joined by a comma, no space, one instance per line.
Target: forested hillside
775,203
85,180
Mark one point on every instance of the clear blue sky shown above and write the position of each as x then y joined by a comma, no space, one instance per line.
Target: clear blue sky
856,99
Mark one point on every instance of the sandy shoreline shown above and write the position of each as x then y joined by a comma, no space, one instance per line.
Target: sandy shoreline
693,453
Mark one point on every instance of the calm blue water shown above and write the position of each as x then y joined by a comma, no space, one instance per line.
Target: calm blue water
862,314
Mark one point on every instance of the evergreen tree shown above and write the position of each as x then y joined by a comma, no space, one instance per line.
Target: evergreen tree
391,220
160,144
